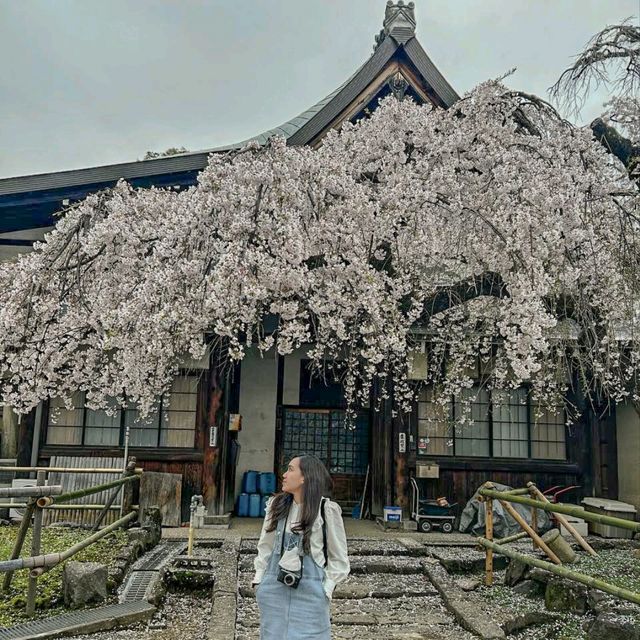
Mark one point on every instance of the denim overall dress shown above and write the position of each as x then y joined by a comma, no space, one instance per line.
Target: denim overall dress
287,613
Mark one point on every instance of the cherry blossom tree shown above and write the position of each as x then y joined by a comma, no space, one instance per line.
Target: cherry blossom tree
492,230
611,59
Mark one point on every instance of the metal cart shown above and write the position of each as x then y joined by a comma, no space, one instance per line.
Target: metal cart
429,514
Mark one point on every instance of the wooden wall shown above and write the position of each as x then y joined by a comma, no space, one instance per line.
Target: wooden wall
591,463
458,482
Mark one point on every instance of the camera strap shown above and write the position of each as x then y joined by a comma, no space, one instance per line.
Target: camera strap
324,531
300,545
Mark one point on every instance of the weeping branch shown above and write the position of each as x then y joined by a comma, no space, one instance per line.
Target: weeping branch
611,59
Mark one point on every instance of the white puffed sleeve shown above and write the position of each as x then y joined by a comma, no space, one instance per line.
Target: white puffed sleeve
338,567
265,545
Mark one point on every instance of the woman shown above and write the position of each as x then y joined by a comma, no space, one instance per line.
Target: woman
294,583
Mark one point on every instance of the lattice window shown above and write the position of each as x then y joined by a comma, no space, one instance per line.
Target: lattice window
321,432
548,434
510,424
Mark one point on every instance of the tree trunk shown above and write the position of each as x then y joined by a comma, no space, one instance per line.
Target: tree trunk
625,150
9,433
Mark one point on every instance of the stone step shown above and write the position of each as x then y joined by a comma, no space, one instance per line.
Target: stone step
383,619
465,560
381,547
359,547
394,632
402,565
217,521
363,586
369,618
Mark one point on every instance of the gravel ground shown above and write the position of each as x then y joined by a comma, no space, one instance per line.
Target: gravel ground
387,597
181,617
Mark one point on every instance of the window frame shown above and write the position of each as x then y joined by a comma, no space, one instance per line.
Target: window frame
45,445
490,418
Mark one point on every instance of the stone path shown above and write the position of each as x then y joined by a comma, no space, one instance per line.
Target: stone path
387,596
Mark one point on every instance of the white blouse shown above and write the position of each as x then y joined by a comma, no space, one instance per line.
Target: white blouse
337,568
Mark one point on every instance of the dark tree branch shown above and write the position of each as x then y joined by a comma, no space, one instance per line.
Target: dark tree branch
622,148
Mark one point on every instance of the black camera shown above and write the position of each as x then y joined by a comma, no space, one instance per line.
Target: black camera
289,578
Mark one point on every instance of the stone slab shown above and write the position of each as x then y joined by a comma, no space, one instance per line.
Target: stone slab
464,610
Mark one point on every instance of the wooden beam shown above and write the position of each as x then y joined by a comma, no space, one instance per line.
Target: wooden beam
595,583
523,523
563,521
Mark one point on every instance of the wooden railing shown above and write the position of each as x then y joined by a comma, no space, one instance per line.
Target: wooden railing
43,497
537,500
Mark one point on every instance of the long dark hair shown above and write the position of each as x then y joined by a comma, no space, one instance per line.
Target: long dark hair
317,483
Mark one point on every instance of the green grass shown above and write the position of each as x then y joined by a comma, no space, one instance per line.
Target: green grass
49,597
569,628
615,566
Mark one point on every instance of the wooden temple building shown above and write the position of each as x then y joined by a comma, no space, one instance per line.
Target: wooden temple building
285,412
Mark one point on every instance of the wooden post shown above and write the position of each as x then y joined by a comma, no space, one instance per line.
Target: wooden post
35,549
17,547
523,523
534,524
563,521
129,471
488,519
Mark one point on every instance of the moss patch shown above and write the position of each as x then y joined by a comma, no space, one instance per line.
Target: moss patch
569,628
619,567
49,598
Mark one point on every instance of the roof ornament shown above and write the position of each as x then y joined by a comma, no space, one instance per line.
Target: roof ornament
398,85
399,23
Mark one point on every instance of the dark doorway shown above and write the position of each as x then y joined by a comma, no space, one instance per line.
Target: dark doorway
323,432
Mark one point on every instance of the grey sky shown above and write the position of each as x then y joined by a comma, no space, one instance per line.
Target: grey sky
88,82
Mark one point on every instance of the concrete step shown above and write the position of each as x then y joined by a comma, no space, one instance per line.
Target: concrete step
217,521
82,622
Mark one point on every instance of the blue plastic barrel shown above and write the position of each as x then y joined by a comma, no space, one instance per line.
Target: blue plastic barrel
263,506
254,505
267,483
250,482
242,507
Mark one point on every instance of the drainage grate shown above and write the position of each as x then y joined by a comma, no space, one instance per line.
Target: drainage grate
137,585
161,555
80,621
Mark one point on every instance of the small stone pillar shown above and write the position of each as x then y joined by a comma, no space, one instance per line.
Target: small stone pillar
559,546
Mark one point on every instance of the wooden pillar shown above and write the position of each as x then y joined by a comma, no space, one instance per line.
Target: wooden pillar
400,463
26,430
210,486
382,453
9,433
579,440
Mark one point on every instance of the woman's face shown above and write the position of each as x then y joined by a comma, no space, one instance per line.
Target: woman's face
292,478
